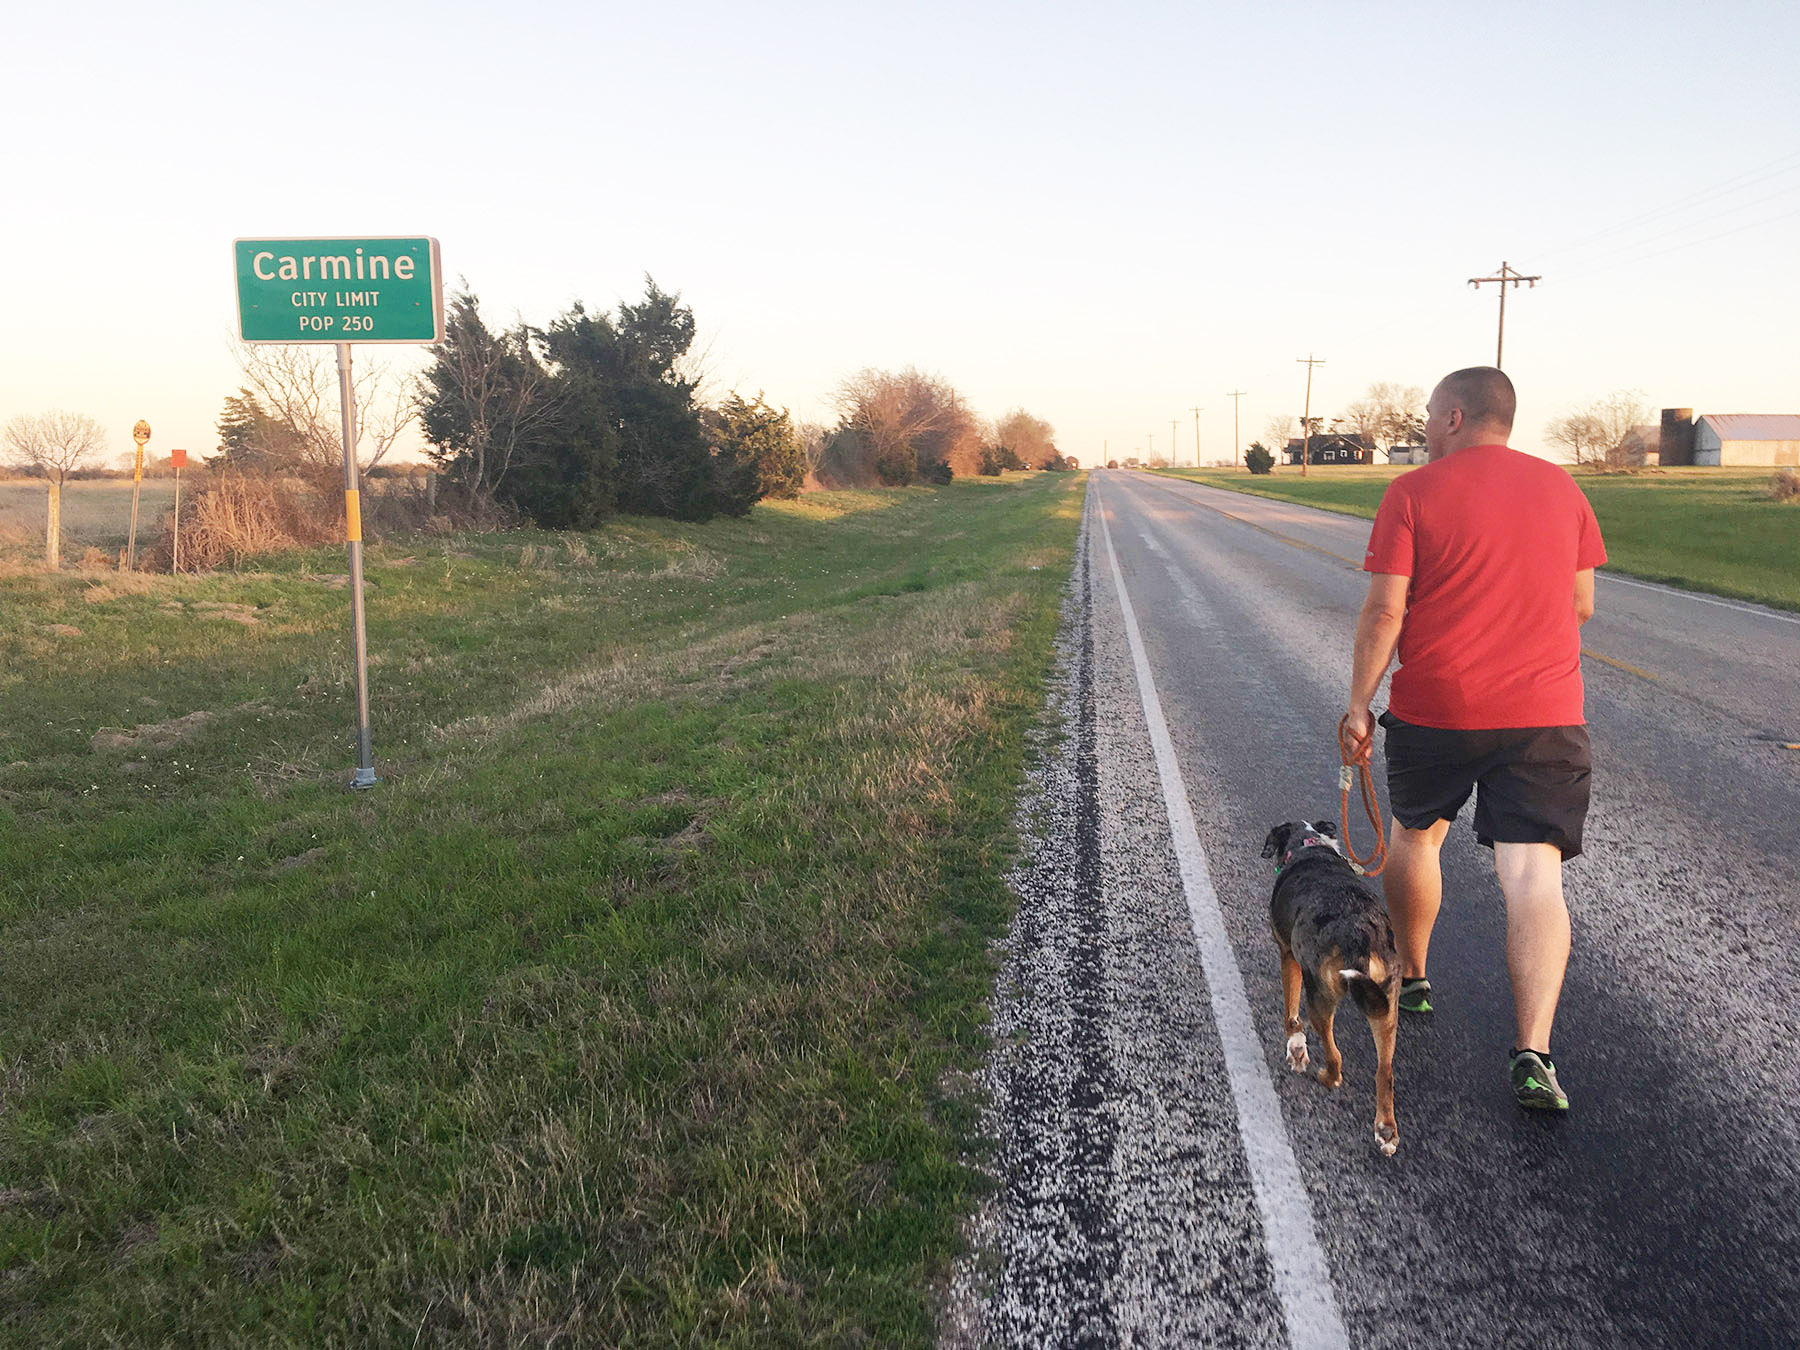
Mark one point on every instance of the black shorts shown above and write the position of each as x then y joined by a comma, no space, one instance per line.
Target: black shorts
1533,780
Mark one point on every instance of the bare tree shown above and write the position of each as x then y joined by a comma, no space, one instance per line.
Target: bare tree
1276,432
1032,439
907,421
813,440
1363,418
1594,434
55,444
1399,413
298,384
1581,435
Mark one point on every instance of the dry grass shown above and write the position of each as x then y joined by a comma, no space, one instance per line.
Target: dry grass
1785,485
239,517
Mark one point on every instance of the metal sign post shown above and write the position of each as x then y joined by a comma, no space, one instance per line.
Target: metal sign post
365,755
177,458
141,434
370,288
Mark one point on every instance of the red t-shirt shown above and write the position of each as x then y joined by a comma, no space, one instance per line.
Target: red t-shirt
1492,539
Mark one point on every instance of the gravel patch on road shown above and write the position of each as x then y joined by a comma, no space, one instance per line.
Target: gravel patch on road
1124,1212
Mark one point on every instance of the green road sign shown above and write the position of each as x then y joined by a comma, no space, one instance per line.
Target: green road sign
340,290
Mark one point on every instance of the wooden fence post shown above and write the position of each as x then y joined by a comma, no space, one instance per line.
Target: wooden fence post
53,528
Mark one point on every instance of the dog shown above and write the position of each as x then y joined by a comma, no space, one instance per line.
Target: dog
1335,938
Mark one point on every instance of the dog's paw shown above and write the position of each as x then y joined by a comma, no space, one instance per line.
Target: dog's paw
1297,1060
1331,1079
1388,1137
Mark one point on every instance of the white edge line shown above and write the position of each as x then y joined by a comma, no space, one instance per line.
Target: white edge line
1302,1278
1758,610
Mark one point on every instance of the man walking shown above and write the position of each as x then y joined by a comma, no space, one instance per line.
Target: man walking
1482,573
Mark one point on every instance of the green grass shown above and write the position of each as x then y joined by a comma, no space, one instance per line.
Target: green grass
629,1007
1715,530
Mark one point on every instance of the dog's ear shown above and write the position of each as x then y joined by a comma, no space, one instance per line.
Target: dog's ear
1277,840
1328,828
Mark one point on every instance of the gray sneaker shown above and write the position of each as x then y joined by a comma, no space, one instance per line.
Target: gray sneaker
1534,1082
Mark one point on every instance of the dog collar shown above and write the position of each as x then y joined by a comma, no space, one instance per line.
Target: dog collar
1311,841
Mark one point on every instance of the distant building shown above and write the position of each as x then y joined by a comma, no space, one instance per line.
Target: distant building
1407,454
1729,440
1334,447
1641,446
1747,438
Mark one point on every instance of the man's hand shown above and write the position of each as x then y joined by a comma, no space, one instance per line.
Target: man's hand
1359,726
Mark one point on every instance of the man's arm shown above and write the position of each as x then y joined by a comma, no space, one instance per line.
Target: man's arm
1377,635
1584,595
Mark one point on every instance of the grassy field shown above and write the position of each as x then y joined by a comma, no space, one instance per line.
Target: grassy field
96,513
1711,530
635,1005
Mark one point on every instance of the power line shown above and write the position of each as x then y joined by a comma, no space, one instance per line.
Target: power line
1712,220
1775,168
1691,243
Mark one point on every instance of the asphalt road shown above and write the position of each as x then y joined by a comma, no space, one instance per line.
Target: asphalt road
1164,1179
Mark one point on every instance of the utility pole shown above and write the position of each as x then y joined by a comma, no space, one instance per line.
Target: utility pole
1175,459
1506,274
1306,417
1150,454
1234,396
1196,412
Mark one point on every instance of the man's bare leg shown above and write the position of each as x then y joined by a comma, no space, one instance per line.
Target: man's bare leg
1413,882
1537,935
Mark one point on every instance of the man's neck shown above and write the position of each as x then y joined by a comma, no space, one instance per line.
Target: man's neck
1470,442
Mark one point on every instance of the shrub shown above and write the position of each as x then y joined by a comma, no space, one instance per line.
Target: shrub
237,516
1785,485
1258,460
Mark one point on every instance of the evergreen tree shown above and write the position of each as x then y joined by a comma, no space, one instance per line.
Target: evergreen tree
483,401
253,439
758,454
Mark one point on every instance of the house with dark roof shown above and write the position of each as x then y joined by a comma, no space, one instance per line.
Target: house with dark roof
1334,447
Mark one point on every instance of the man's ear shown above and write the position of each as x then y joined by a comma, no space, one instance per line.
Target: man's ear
1276,841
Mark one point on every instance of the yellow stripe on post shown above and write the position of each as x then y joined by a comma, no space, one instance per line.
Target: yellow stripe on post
352,516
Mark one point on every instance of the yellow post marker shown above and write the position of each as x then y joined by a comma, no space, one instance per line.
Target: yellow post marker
352,516
141,434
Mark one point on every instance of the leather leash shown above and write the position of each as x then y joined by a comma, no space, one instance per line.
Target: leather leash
1351,752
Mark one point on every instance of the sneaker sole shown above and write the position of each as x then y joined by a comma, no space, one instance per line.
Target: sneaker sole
1541,1101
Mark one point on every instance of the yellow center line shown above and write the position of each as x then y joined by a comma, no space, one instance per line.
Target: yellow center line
1625,666
1245,520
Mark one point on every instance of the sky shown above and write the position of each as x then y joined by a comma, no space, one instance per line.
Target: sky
1105,214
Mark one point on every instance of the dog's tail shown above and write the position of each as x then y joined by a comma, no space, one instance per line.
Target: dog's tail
1368,987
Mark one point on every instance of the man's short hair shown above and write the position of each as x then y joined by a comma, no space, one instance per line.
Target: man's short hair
1484,394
